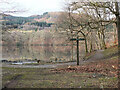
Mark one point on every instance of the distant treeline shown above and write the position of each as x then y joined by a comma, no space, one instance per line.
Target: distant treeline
22,22
11,20
42,24
15,21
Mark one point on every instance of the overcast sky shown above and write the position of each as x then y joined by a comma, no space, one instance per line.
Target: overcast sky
37,7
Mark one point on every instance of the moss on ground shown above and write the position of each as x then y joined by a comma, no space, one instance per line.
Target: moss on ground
110,51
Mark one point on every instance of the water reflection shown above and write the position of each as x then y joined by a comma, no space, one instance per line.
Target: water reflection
36,52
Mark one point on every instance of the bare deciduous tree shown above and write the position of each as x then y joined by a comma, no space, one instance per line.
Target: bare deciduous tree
93,17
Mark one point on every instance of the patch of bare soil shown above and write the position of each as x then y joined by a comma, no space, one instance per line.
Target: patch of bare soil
13,81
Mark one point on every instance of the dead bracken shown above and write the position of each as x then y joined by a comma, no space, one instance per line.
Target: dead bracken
109,68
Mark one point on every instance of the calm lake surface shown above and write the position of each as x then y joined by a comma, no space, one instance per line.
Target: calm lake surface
36,52
45,53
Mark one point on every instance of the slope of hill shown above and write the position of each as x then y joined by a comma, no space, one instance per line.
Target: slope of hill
111,52
47,18
12,20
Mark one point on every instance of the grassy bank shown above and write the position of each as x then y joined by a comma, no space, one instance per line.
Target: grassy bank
63,77
111,52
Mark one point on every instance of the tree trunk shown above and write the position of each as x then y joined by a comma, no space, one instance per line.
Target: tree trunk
77,51
97,45
99,37
86,48
118,24
72,50
118,29
103,40
91,47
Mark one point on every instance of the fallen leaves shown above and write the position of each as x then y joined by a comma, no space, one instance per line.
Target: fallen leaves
102,67
114,67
